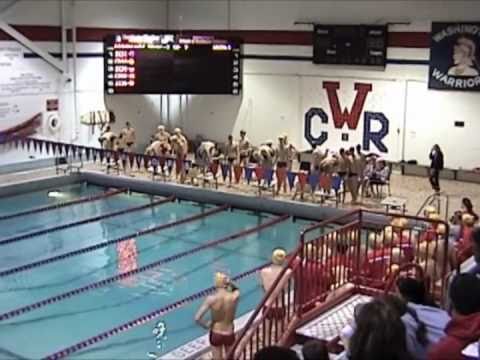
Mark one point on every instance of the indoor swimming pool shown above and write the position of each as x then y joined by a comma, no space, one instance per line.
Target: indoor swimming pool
60,289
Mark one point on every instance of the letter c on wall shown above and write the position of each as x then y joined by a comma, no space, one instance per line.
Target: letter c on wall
309,116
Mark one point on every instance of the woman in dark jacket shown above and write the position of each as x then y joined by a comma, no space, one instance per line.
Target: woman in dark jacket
436,165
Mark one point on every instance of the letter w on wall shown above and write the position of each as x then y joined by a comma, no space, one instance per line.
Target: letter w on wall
350,117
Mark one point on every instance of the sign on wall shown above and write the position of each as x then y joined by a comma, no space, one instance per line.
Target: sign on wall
341,114
26,85
454,56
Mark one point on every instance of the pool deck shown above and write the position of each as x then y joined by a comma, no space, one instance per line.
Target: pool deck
414,189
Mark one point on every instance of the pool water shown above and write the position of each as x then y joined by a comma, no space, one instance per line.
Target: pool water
48,329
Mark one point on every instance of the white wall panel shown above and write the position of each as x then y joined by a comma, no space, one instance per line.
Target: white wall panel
143,14
193,14
430,120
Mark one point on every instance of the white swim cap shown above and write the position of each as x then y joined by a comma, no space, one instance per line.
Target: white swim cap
279,256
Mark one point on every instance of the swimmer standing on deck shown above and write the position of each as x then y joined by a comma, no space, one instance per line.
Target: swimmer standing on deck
223,306
275,308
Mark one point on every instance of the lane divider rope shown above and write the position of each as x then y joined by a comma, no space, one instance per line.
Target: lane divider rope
144,319
81,200
109,242
85,221
121,276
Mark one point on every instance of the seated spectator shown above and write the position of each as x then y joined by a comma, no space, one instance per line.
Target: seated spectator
476,251
424,322
276,353
456,219
464,328
475,269
368,173
464,242
430,232
379,333
380,175
467,208
315,350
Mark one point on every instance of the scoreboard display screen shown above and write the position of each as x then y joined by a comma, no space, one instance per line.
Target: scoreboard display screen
350,44
166,64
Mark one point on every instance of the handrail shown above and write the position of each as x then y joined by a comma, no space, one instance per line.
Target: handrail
90,248
429,200
329,221
238,339
60,205
306,298
66,295
25,236
424,204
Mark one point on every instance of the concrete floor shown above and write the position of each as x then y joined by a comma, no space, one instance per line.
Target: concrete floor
414,189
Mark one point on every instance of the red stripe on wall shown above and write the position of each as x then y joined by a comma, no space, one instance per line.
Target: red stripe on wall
409,39
53,33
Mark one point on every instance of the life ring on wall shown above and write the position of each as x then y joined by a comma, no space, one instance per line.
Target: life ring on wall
54,124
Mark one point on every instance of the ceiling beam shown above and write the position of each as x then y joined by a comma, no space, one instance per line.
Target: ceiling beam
16,35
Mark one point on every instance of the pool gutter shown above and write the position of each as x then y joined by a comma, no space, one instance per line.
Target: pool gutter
201,345
29,185
198,194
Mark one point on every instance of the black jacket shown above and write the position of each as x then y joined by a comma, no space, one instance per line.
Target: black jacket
436,158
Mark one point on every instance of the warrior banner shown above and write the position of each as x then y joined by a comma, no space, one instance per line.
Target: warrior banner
454,57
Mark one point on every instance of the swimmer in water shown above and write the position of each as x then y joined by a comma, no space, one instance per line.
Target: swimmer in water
222,306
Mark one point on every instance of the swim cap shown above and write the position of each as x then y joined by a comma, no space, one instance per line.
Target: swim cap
434,216
177,131
279,256
221,280
468,219
160,127
429,210
441,229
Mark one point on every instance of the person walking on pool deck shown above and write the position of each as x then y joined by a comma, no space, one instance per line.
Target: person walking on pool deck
223,306
436,165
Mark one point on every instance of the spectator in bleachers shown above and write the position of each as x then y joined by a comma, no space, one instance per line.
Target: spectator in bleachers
379,333
464,242
467,208
464,328
476,251
424,322
315,350
275,353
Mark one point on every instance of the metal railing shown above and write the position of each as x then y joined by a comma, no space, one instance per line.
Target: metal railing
362,253
435,200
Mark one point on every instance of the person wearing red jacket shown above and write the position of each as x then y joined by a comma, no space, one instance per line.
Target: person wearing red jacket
464,328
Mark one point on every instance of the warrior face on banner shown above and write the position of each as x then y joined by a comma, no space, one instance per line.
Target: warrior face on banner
464,58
